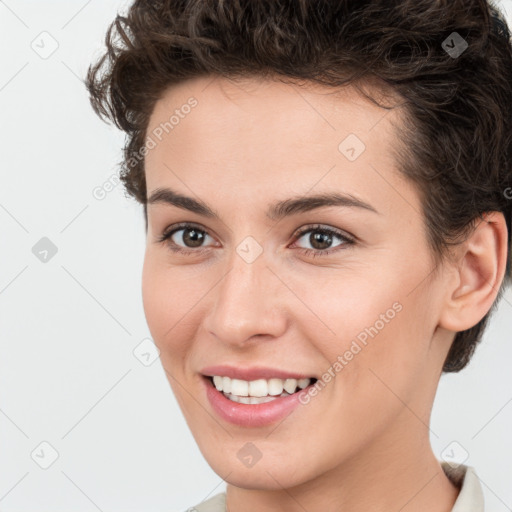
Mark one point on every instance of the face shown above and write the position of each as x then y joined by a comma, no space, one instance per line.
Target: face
341,292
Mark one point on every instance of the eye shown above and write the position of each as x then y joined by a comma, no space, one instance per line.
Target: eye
321,239
192,236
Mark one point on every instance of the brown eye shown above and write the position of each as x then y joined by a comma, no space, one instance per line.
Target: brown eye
185,238
192,237
321,239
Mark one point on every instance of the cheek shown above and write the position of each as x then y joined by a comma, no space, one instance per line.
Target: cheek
162,316
347,309
160,295
375,336
172,299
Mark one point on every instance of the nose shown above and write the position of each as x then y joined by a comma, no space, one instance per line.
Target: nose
248,303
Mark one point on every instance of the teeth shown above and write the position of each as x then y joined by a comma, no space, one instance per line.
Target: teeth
258,388
218,381
290,385
226,384
304,383
238,387
254,399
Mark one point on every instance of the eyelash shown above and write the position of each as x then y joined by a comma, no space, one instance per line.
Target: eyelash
347,241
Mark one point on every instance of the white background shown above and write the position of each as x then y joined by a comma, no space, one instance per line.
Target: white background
68,327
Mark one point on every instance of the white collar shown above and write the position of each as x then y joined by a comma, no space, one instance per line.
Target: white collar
471,497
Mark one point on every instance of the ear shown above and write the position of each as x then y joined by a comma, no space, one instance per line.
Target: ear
479,274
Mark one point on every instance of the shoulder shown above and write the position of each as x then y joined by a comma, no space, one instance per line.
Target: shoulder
216,503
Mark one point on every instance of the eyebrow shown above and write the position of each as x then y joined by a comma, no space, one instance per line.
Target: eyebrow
276,211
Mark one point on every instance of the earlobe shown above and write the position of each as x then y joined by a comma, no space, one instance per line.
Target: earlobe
480,272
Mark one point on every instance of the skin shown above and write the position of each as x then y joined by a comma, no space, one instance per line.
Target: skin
363,442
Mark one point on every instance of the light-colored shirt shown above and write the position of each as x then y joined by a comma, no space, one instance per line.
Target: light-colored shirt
470,498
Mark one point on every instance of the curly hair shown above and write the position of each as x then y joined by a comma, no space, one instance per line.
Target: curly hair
449,61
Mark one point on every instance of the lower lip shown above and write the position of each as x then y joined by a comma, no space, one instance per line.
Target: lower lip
251,415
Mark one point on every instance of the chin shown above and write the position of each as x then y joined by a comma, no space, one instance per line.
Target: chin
266,474
268,479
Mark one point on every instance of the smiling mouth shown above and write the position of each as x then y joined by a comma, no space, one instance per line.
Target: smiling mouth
263,391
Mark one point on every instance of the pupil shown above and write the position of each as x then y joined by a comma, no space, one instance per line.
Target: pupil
194,237
322,238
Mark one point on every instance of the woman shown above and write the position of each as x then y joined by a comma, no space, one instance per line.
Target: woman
327,194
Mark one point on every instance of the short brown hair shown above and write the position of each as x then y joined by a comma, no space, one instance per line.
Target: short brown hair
456,141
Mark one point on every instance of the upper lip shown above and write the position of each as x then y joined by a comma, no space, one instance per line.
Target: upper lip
252,373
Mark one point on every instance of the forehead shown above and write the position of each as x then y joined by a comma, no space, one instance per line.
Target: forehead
266,103
253,134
